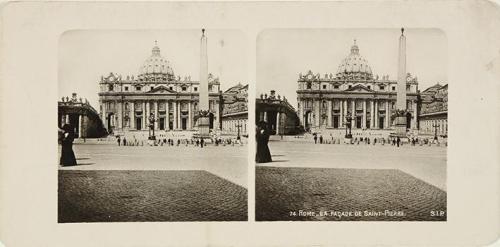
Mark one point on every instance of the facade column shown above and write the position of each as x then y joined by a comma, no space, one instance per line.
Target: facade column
174,114
329,124
217,113
190,125
156,115
132,115
376,115
144,115
341,118
104,122
415,120
372,114
353,113
120,115
317,117
387,115
363,124
301,112
167,118
80,119
179,115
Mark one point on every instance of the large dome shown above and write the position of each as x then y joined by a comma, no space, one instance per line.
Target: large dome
156,64
354,66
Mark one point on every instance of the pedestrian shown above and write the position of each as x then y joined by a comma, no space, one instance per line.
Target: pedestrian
197,142
263,155
398,141
178,142
320,139
202,142
124,141
315,138
119,141
67,155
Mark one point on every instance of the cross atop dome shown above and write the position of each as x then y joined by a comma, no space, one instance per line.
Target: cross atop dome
354,48
156,49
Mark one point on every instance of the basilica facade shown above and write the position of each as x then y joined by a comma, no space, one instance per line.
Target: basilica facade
354,92
129,103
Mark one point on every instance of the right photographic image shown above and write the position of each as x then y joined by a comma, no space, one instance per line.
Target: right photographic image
351,125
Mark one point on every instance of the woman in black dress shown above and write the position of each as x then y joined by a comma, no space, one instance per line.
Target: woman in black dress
67,154
263,154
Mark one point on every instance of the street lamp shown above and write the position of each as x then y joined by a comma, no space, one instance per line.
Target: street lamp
238,137
348,119
435,130
151,126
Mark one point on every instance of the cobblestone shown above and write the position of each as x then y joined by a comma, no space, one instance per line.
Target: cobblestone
282,192
152,195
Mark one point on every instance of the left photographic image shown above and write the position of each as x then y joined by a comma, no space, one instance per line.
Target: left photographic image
152,125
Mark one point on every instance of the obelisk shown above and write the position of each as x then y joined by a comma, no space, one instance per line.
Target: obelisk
400,121
401,92
203,106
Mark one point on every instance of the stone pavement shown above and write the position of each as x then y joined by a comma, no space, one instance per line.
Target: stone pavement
305,194
423,162
154,183
121,196
228,162
308,181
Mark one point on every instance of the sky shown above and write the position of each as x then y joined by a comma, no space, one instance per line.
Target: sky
86,55
284,53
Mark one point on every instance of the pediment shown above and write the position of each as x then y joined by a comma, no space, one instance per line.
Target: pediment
161,89
359,88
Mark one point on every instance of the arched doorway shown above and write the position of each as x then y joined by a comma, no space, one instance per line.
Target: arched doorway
210,120
408,120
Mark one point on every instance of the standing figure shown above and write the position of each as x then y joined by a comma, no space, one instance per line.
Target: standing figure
118,140
263,154
398,141
315,138
67,155
320,139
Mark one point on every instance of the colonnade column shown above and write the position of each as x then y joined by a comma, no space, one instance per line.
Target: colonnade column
278,123
265,116
363,124
329,124
132,115
80,119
